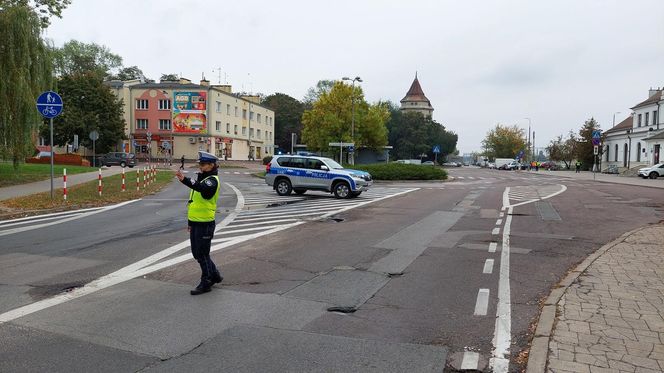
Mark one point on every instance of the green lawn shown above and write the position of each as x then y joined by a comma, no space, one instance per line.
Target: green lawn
29,172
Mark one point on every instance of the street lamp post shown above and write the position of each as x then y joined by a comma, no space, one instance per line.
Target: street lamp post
614,118
352,128
529,123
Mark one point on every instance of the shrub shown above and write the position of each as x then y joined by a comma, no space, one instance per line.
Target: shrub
267,159
398,171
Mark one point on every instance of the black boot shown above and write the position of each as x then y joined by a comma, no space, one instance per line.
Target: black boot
217,278
204,287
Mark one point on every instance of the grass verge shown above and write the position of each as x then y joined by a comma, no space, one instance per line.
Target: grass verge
30,172
84,195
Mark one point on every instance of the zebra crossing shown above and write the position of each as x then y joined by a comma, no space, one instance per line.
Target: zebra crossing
531,192
293,210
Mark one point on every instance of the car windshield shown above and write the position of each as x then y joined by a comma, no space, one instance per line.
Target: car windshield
333,164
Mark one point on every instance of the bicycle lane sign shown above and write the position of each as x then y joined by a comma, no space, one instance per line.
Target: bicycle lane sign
49,104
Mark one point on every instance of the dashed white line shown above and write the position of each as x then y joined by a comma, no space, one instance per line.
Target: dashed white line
495,231
482,302
488,266
492,247
499,221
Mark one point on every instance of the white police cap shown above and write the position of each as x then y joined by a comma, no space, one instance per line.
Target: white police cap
207,157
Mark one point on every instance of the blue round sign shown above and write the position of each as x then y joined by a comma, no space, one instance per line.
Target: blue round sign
49,104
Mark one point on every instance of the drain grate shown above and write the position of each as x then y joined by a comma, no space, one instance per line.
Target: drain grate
342,309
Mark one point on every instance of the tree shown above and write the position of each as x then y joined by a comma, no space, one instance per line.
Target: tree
412,134
585,151
504,142
90,105
313,94
563,150
43,9
25,69
287,118
128,73
330,120
169,78
76,57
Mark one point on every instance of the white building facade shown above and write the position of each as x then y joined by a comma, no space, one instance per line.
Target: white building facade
638,140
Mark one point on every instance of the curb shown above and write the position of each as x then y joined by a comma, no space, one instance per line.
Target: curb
608,181
539,347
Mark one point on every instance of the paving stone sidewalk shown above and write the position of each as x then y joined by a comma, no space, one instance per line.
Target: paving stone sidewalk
611,317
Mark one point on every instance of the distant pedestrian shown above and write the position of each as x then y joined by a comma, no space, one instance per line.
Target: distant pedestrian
537,166
578,166
182,162
201,210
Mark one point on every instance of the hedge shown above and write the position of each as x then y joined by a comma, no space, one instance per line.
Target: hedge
399,171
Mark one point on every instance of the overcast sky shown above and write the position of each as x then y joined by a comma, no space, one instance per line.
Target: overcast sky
479,62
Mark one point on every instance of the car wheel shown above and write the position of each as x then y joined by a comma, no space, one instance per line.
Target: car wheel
300,191
283,187
342,190
653,175
123,165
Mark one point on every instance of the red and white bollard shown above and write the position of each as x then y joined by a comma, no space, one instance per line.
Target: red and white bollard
99,188
64,183
123,180
138,180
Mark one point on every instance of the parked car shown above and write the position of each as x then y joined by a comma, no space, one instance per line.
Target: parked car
428,163
43,155
118,159
491,165
292,173
450,164
652,172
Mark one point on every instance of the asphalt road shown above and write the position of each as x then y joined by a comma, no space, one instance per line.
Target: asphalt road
407,277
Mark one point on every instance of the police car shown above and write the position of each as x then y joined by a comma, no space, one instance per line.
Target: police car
296,173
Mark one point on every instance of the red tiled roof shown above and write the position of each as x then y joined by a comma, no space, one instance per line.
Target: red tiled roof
624,125
415,93
651,100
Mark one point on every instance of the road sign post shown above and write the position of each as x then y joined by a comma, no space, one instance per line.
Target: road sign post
341,145
436,151
148,137
94,136
50,106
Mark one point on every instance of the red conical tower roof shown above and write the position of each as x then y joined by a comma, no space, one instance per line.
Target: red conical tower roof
415,92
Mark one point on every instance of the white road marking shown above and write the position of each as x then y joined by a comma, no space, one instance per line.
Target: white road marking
492,247
78,216
149,264
482,302
488,266
55,214
502,214
470,360
499,221
495,231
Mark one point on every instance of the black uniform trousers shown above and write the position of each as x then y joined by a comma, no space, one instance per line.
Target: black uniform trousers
200,236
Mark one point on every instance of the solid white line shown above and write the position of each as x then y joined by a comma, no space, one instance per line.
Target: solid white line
224,232
503,329
499,221
488,266
50,215
495,231
260,223
470,360
492,247
32,227
39,219
502,214
482,302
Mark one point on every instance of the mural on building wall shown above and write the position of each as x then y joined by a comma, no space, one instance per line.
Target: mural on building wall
189,112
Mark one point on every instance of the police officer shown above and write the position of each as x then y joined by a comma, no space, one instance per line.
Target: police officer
200,214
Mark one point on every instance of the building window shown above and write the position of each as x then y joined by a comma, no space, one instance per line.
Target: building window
141,104
244,130
647,118
638,149
639,121
235,129
141,124
165,104
654,117
236,111
258,134
607,153
217,126
258,118
615,156
244,113
228,128
165,124
251,132
251,115
218,107
228,109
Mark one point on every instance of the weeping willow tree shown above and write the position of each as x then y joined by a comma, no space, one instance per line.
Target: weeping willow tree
25,71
